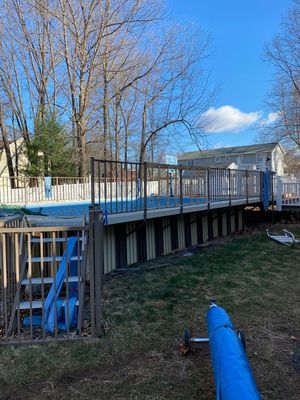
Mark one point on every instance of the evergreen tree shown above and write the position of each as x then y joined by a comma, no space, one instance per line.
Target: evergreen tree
50,152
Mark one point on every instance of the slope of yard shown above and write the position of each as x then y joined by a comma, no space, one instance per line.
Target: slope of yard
255,279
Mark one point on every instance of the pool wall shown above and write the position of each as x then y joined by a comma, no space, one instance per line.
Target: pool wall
128,243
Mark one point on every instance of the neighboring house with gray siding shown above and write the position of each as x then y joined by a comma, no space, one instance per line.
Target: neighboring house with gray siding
260,157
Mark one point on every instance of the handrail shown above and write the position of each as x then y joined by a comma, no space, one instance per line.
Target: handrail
171,166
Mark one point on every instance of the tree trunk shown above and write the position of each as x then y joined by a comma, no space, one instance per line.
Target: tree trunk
105,108
126,145
7,149
81,142
117,139
143,133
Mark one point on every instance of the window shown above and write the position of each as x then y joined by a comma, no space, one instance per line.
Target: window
217,159
259,157
239,160
227,158
190,163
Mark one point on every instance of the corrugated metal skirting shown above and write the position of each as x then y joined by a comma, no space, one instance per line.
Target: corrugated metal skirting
128,243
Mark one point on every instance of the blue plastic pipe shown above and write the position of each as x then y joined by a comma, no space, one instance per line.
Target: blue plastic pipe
233,376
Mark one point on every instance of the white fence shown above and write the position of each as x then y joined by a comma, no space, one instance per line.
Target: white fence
287,191
26,190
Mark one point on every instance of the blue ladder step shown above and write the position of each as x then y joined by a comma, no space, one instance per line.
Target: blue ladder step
49,259
48,280
36,304
50,240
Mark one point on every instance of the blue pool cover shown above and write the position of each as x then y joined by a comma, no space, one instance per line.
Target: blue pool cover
76,209
232,372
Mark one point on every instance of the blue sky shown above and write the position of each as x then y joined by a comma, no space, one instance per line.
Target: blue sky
240,29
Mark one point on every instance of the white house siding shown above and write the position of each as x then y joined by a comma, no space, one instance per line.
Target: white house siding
259,160
278,161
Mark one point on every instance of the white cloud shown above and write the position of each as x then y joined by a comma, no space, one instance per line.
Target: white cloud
218,145
271,118
228,119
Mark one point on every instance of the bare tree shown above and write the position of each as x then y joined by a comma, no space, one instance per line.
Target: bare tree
284,55
176,92
113,69
93,35
6,145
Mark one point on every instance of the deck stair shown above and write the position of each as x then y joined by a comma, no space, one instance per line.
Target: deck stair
52,277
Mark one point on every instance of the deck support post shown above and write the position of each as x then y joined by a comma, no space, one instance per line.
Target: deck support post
96,268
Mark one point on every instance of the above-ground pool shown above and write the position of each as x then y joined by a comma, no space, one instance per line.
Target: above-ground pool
75,209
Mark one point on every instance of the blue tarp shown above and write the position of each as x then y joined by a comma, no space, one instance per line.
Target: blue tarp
48,187
266,190
232,372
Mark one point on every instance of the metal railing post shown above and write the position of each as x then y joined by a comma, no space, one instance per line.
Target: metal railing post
229,186
272,196
247,188
208,189
181,189
92,161
261,186
145,190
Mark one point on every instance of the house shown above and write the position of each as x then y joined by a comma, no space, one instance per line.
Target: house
19,157
260,157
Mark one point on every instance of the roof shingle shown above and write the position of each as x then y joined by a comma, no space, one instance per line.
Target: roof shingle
227,151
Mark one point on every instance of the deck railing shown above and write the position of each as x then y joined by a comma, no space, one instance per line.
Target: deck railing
130,186
123,187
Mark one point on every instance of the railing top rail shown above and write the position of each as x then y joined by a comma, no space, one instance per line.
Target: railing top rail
173,166
116,162
41,229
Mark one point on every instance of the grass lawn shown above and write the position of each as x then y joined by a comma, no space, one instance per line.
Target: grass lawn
255,279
